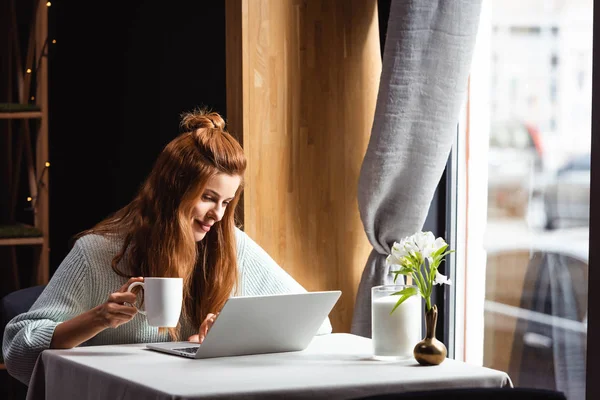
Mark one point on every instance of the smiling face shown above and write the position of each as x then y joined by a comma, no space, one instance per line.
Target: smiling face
211,205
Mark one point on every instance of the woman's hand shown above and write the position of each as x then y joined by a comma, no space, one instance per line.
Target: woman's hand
114,313
204,328
110,314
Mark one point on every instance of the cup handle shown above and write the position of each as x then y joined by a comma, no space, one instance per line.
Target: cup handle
134,284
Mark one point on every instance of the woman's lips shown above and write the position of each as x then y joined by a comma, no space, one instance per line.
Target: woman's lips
204,227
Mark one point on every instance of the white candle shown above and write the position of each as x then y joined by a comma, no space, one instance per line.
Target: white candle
395,334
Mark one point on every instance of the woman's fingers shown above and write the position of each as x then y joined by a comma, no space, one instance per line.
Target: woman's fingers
211,321
114,314
203,332
116,309
194,338
204,328
126,310
129,282
206,325
122,297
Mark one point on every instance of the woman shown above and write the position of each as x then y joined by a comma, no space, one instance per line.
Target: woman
180,224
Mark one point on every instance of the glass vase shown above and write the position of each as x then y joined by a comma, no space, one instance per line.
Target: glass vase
394,334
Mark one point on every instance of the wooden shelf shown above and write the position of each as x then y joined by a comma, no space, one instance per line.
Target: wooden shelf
21,115
20,235
21,241
20,111
30,149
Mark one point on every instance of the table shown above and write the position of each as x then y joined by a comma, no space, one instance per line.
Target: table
336,366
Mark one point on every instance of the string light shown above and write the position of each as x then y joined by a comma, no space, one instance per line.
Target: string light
54,41
39,185
48,4
32,97
28,70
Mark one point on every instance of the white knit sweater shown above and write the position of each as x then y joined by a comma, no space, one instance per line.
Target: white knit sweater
85,279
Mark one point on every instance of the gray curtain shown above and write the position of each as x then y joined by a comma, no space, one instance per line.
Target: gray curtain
426,63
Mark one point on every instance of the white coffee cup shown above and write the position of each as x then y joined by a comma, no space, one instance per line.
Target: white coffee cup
163,298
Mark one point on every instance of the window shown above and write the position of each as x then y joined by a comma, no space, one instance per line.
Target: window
524,195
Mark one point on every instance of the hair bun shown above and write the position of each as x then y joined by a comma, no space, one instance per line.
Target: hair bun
201,118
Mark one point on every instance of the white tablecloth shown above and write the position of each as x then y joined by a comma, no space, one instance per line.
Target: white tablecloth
336,366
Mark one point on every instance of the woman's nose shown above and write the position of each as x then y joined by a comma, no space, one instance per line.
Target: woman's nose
217,212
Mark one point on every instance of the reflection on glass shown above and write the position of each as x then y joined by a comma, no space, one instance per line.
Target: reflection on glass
535,312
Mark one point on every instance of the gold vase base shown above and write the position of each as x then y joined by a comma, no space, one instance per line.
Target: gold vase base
430,352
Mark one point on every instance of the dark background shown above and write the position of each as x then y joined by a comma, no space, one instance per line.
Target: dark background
119,76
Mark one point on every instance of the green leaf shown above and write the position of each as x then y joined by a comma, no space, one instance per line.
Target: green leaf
414,260
416,281
406,293
446,253
408,290
439,251
423,282
402,299
402,271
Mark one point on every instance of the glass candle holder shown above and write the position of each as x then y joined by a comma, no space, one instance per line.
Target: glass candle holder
395,334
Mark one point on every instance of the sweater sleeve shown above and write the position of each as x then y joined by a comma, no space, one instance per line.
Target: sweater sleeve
261,275
65,297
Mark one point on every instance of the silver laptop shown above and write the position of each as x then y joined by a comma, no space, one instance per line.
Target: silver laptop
260,324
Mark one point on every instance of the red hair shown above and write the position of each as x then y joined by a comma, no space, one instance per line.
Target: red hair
156,225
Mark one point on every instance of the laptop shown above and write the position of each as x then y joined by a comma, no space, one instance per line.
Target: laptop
260,324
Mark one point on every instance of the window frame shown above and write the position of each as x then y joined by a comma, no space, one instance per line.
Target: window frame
593,347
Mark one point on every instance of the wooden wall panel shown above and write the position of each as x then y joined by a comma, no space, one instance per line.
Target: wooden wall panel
309,74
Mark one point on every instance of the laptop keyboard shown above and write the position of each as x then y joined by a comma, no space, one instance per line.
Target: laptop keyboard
189,350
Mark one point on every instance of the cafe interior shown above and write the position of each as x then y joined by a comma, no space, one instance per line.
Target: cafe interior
358,120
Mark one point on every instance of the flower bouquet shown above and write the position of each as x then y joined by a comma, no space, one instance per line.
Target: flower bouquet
419,257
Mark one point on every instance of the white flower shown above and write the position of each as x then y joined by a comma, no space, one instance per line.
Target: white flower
441,279
433,246
419,256
427,251
439,243
423,240
393,259
408,245
400,251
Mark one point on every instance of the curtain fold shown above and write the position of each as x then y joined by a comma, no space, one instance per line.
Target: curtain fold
426,62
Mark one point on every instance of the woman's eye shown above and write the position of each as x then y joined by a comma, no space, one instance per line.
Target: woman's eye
207,198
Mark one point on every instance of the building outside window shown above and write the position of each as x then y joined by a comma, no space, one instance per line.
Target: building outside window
523,194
